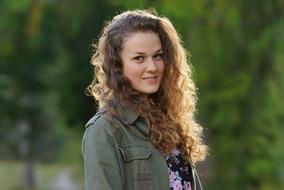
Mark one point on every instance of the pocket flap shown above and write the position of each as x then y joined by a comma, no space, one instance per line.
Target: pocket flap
134,152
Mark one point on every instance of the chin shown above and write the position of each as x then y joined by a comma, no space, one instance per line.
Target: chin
150,91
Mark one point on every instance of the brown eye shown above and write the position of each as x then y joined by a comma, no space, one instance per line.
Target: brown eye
158,57
139,58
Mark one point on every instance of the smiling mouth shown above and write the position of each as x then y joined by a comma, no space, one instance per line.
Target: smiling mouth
152,77
152,80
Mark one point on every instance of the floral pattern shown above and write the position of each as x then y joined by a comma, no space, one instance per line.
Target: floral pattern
179,175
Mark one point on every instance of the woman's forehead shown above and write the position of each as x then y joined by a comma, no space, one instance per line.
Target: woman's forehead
142,42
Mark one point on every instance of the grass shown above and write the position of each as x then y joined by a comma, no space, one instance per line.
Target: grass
45,175
9,175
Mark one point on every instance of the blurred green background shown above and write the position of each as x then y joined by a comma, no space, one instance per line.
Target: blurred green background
237,50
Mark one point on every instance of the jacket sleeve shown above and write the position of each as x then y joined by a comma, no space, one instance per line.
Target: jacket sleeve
101,167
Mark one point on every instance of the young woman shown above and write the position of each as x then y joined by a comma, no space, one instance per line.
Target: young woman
144,135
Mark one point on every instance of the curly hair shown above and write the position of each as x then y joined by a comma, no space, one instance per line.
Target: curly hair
170,111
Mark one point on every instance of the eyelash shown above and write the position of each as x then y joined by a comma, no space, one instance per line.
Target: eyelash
139,58
158,56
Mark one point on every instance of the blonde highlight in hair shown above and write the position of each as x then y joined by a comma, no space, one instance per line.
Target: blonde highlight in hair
170,111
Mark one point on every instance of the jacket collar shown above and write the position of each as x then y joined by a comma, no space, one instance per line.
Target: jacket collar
127,115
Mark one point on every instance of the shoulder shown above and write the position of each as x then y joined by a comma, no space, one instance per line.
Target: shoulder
98,125
98,117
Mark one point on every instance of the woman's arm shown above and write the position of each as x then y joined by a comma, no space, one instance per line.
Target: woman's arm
100,161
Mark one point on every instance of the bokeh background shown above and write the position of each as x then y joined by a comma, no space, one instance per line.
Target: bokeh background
236,47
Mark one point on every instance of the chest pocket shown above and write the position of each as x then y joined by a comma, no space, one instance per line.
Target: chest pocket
137,167
134,152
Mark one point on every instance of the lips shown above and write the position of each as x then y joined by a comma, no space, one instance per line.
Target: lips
151,79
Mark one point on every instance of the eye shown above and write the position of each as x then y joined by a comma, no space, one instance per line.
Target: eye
139,58
158,57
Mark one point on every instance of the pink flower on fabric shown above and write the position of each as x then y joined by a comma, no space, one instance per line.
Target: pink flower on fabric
172,176
175,152
177,185
187,186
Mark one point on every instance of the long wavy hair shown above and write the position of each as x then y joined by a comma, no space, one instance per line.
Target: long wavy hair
170,111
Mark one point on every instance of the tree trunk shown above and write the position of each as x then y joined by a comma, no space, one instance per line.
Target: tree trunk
28,177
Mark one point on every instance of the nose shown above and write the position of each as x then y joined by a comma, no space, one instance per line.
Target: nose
151,65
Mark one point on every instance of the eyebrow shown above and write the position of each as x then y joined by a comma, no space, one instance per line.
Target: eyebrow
142,53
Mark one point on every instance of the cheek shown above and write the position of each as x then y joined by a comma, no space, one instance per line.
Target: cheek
162,67
132,71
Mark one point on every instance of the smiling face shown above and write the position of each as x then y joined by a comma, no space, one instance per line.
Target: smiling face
142,60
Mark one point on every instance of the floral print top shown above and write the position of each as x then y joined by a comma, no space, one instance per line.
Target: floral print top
179,175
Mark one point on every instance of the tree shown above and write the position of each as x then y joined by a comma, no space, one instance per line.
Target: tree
24,57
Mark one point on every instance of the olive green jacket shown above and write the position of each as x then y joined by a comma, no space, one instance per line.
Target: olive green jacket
119,156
